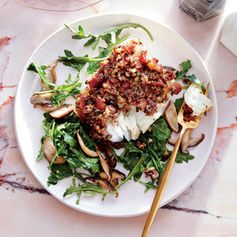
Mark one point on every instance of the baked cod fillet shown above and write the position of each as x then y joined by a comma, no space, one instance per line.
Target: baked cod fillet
126,95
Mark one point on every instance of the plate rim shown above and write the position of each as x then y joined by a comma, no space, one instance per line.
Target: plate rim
124,14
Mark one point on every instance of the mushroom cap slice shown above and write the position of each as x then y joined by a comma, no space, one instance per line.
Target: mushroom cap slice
49,151
116,174
171,116
104,184
42,100
41,97
46,107
190,141
103,175
61,112
104,164
186,139
84,147
197,140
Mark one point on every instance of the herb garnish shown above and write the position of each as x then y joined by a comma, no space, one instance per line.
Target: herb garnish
185,66
86,188
60,93
111,38
40,70
77,62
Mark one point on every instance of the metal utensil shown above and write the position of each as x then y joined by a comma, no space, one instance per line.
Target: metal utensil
168,168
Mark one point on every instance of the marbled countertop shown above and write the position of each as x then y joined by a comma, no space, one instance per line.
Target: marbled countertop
207,208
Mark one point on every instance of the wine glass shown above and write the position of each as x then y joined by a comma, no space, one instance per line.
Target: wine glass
58,5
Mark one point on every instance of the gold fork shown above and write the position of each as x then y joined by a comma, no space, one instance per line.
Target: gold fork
168,168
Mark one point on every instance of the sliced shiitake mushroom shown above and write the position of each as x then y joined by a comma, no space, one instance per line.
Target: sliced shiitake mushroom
84,147
186,139
104,184
115,177
171,116
61,112
90,179
53,71
42,100
114,182
103,175
49,151
195,141
101,182
118,175
172,141
41,97
104,164
47,107
110,157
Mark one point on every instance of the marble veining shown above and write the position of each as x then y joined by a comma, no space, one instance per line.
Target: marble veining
207,208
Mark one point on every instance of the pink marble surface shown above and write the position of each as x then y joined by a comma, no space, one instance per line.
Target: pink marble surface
207,208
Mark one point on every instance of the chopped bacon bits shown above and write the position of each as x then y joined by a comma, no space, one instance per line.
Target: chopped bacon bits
127,78
188,114
100,104
176,88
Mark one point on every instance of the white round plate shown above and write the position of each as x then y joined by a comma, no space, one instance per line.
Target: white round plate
171,49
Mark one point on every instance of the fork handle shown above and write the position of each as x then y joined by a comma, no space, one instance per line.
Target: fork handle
163,182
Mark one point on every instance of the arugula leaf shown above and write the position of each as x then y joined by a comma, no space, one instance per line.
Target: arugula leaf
194,79
149,185
132,148
133,172
160,130
131,156
178,103
40,155
80,160
185,65
94,66
109,37
60,92
156,158
86,139
59,172
87,188
121,27
60,97
77,62
104,52
80,34
69,88
70,140
40,70
92,41
182,157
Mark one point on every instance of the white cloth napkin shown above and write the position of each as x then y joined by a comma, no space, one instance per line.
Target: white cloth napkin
229,33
